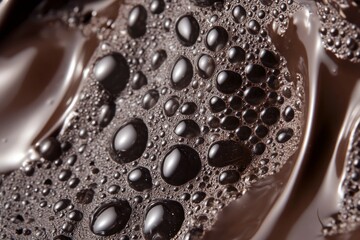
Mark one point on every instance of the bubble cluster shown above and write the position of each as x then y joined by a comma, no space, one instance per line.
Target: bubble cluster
340,28
186,105
347,218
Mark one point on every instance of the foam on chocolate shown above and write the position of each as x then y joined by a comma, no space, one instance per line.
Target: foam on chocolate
187,108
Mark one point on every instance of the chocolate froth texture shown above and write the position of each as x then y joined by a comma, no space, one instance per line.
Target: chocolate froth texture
180,120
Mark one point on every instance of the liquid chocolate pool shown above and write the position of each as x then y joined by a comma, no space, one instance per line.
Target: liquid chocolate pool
180,119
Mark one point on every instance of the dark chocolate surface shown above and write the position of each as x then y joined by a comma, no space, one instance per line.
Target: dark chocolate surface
180,120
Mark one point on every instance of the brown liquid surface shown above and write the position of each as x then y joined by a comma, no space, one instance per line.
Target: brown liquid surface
53,58
295,203
310,192
36,99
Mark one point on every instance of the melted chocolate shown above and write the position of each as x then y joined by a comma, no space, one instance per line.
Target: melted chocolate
35,100
298,191
300,199
53,58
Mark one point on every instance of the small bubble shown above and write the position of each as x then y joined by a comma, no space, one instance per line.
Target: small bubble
198,197
228,152
112,72
235,102
157,6
73,182
75,215
284,135
61,205
205,66
250,116
187,30
150,99
259,148
181,74
163,220
187,129
255,73
270,115
254,95
236,54
239,14
106,114
68,227
261,131
110,218
213,122
136,25
216,38
50,149
243,133
64,175
229,123
229,177
140,179
180,165
253,27
114,189
269,59
138,80
288,114
171,106
167,24
129,142
217,104
158,58
228,81
188,108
